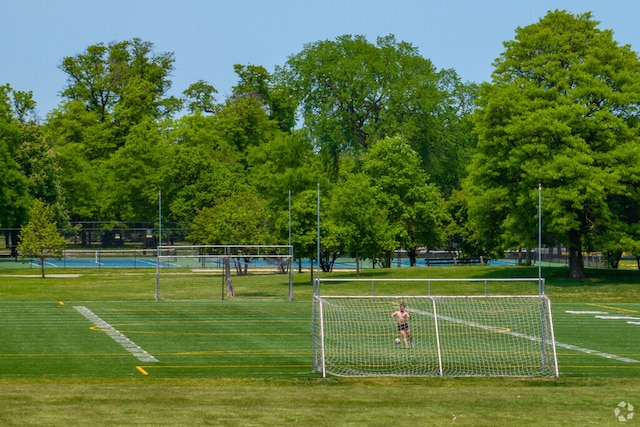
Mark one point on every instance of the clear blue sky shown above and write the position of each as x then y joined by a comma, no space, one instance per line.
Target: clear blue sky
209,36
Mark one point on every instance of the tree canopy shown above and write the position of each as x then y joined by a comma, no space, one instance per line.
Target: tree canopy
408,157
561,111
353,93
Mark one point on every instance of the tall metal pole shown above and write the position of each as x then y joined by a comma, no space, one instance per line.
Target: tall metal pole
540,285
290,255
290,218
158,246
159,220
318,282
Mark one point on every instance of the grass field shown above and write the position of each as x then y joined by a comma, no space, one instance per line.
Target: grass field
94,348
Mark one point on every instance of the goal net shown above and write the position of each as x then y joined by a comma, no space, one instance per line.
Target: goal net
451,336
206,271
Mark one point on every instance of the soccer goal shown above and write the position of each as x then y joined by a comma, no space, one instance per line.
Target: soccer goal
450,336
209,271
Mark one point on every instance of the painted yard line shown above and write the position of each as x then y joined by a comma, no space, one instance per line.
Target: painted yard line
614,308
617,317
507,331
585,312
596,353
117,336
141,370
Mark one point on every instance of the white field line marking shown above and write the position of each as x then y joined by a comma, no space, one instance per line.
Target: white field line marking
597,353
586,312
617,317
117,336
535,339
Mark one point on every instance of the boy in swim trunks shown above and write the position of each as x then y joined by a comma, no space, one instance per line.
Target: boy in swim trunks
402,318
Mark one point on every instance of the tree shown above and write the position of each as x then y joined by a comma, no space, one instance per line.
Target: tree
243,122
40,237
272,91
115,96
39,163
462,237
241,219
285,163
121,81
15,186
201,168
352,93
561,110
359,222
200,96
304,227
132,176
414,205
110,89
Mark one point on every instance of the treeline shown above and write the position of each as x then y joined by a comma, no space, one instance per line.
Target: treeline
405,155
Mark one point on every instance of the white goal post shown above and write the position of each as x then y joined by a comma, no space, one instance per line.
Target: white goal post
211,259
451,336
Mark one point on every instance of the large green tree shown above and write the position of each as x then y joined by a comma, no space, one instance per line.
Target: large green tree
25,166
200,169
272,90
122,81
352,93
561,110
14,190
414,204
132,176
304,227
241,219
358,221
106,131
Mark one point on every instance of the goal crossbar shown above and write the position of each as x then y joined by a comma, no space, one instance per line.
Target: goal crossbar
452,336
486,281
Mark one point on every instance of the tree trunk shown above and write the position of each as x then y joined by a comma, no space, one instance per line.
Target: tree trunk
413,256
357,264
387,260
227,276
42,266
14,244
576,262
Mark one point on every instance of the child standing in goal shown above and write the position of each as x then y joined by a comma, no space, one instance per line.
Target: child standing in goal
402,318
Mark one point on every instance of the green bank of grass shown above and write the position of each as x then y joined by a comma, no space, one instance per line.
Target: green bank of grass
601,286
103,388
371,402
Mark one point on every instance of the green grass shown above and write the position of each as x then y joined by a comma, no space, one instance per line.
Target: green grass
247,360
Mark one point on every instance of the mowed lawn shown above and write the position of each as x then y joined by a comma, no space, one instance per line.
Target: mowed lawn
248,339
97,349
202,340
